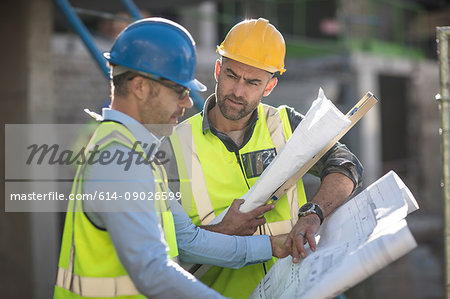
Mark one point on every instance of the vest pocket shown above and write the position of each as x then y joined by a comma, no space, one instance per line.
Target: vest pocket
255,162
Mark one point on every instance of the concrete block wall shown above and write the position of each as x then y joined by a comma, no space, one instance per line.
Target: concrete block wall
78,81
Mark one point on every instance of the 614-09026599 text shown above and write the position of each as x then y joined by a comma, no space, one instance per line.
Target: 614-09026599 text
42,160
132,195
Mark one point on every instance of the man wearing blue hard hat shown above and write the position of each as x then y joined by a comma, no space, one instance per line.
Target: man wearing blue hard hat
123,245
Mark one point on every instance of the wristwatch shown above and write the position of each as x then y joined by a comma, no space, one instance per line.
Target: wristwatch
310,208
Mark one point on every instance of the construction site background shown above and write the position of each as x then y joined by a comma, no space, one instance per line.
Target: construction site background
346,47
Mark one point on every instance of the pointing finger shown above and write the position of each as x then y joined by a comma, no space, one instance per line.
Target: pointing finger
262,210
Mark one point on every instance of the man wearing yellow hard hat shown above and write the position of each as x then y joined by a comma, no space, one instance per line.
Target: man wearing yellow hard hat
235,137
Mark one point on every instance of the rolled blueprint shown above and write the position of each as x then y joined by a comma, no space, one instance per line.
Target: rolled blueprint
322,123
358,239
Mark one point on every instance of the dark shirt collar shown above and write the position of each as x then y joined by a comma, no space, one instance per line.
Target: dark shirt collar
206,122
227,141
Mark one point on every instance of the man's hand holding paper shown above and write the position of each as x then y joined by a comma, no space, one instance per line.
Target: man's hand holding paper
236,222
279,248
333,192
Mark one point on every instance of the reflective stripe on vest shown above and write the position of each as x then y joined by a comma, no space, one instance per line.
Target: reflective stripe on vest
95,286
113,281
189,166
191,170
211,177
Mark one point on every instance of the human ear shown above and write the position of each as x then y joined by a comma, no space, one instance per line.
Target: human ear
217,69
270,86
138,87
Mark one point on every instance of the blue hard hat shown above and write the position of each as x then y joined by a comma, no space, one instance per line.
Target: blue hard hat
159,47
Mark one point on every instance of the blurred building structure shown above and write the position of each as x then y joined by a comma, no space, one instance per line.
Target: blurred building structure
346,47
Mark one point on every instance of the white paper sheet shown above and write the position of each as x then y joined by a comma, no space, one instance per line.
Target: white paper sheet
358,239
321,124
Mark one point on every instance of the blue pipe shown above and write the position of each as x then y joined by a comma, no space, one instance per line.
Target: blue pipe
86,37
84,34
132,9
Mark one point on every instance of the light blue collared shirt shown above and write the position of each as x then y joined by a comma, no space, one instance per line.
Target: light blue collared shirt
138,238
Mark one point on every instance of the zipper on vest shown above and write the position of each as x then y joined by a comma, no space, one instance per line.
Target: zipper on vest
242,167
248,186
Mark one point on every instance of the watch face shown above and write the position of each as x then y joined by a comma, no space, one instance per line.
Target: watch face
311,208
306,207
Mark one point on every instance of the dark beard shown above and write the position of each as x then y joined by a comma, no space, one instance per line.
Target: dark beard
233,114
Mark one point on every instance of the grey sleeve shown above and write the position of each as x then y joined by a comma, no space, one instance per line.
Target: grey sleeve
338,159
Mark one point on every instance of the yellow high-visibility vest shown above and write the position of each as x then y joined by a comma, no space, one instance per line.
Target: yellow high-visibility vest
88,265
211,177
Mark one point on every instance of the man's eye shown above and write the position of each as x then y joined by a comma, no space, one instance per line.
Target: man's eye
231,76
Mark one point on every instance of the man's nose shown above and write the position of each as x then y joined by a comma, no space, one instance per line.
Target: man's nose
239,88
186,102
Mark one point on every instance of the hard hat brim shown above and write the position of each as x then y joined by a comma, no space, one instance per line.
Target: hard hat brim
251,62
193,84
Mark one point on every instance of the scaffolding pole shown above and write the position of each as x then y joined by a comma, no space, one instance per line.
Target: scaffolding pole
443,98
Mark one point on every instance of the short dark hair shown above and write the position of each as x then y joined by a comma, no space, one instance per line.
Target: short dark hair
119,83
120,86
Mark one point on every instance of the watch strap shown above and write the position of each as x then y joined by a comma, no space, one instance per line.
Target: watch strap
311,208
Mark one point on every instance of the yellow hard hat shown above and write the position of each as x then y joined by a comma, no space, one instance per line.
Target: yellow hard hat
256,43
